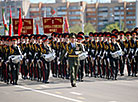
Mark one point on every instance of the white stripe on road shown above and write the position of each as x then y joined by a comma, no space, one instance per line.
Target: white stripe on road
50,94
75,93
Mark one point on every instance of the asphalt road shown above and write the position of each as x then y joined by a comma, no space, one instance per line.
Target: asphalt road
125,89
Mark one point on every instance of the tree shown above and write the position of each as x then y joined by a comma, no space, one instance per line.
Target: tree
116,25
76,28
88,27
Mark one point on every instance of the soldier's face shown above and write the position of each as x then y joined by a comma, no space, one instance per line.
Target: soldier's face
72,40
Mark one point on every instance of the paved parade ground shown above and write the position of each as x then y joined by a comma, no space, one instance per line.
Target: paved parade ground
125,89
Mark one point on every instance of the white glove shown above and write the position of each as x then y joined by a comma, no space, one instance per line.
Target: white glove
108,60
93,58
58,62
126,55
132,56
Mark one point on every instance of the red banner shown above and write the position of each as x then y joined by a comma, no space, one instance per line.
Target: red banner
27,26
53,24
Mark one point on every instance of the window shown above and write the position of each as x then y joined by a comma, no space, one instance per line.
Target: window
61,8
130,13
34,9
61,13
103,9
118,8
130,22
75,22
75,7
91,18
118,17
130,8
118,13
130,17
102,23
74,17
130,27
75,13
103,14
34,14
111,9
91,9
90,14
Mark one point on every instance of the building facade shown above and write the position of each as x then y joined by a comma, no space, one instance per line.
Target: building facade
98,14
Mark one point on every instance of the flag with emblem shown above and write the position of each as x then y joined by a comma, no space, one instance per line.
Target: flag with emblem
4,23
10,23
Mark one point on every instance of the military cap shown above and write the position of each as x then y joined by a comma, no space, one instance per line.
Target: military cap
26,36
80,37
72,35
91,34
14,38
53,34
80,33
113,36
121,33
100,34
51,38
127,33
108,34
86,37
136,29
114,30
133,33
66,35
95,34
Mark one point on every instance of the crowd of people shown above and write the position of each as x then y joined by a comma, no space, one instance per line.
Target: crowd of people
107,55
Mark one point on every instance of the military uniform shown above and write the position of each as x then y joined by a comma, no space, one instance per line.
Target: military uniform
73,60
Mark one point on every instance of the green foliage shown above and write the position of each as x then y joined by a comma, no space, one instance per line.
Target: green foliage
116,25
88,27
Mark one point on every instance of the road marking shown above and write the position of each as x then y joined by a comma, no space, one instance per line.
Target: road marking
44,86
58,92
81,98
75,93
50,94
112,101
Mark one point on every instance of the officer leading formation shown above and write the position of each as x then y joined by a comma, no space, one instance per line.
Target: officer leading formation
69,56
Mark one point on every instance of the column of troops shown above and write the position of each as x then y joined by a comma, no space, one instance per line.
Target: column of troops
108,54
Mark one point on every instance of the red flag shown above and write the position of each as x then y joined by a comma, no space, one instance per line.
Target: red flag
20,23
66,26
37,29
10,23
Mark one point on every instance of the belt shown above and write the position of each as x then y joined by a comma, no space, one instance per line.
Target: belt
73,55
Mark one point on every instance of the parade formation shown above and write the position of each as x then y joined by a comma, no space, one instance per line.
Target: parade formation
68,56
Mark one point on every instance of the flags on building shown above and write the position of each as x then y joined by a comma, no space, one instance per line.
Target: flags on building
20,23
53,11
10,23
66,26
4,23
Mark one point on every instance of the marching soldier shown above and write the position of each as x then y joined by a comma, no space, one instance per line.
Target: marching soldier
114,60
73,49
81,67
122,58
127,51
15,50
132,53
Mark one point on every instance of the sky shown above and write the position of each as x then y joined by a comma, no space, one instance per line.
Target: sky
52,1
